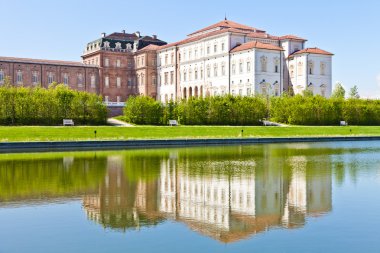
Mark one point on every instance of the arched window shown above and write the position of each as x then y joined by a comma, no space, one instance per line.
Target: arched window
190,92
196,91
311,68
184,93
276,65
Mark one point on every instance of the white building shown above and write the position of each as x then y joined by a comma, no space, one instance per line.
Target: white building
231,58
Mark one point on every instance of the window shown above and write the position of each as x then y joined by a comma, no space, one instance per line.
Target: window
34,77
80,80
106,99
172,77
118,63
240,92
291,68
215,48
208,71
106,62
50,78
263,61
154,81
208,49
166,59
166,78
233,68
222,47
195,53
241,67
300,68
118,82
107,81
19,77
65,79
1,76
223,69
311,68
172,58
248,66
129,81
215,70
248,91
276,68
184,75
190,74
323,69
93,81
196,74
118,99
201,73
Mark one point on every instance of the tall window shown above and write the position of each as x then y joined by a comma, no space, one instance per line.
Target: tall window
184,75
106,99
223,69
172,77
65,79
208,49
311,68
233,68
300,68
93,81
50,78
1,76
222,47
107,81
190,74
323,68
263,60
19,77
241,67
118,63
172,58
118,82
80,80
196,74
106,62
215,48
201,73
34,77
291,69
118,99
208,71
166,59
248,66
215,70
154,81
166,78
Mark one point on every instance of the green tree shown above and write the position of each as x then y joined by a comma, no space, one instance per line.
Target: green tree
339,91
354,93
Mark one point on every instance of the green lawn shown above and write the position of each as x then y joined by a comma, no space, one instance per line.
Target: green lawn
12,134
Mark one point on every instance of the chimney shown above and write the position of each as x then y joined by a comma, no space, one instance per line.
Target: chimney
137,34
123,31
154,37
103,35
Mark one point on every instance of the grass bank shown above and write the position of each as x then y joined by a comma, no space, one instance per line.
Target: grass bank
13,134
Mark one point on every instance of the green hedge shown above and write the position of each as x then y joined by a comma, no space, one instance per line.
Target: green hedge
317,110
39,106
227,110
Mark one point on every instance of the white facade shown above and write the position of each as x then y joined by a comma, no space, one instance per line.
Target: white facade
221,59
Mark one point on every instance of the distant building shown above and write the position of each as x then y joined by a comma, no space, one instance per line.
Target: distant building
224,58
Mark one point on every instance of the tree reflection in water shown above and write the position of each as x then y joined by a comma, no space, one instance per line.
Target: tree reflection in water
227,193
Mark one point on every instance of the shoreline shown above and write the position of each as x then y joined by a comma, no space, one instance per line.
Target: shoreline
46,146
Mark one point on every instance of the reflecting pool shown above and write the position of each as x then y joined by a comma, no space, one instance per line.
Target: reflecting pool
322,197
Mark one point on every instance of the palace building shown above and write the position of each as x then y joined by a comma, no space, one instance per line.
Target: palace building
224,58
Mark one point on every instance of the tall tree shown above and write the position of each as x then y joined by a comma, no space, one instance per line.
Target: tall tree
339,91
354,93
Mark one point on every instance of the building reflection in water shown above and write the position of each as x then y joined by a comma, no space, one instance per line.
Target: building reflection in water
226,198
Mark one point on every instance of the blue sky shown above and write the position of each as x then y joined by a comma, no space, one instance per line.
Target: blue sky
59,29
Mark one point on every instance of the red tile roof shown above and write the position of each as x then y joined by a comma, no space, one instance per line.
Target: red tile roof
228,24
255,44
291,37
42,61
314,50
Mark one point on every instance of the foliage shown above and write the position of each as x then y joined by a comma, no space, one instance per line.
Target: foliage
39,106
226,110
143,110
339,91
354,93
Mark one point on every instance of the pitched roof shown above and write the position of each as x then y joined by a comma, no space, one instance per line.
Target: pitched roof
291,37
227,24
314,50
255,44
43,61
150,47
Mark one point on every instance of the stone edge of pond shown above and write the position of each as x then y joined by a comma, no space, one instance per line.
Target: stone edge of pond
9,147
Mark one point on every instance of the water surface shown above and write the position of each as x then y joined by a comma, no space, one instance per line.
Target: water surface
263,198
